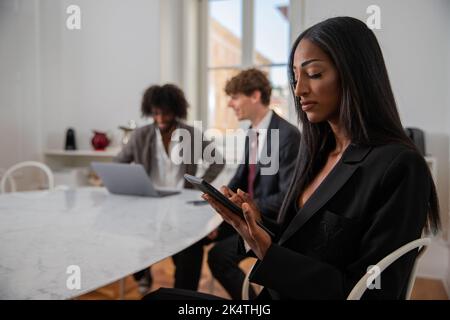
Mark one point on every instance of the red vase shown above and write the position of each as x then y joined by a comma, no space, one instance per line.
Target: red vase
99,141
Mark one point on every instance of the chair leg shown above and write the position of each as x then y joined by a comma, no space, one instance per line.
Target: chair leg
122,289
211,285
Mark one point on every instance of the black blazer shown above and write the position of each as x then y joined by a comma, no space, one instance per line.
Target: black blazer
373,201
269,190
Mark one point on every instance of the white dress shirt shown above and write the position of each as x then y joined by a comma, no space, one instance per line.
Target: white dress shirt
262,129
165,173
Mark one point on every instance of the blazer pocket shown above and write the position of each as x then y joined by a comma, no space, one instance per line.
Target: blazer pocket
337,222
333,236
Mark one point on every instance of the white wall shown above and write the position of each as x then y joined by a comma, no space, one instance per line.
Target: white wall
94,78
171,41
180,35
52,78
19,82
447,40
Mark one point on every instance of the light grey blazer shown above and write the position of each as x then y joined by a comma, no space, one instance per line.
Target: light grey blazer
139,149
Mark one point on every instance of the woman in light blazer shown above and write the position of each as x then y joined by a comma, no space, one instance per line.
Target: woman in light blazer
360,189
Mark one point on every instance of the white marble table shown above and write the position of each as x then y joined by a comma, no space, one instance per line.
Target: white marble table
107,236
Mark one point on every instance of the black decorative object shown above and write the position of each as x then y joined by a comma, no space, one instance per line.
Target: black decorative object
418,137
71,143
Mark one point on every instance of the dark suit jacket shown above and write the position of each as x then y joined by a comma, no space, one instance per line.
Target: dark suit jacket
140,146
269,190
374,201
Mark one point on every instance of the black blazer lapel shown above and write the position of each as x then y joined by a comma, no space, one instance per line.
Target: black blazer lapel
335,180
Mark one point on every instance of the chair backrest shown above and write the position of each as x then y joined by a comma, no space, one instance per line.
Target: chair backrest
8,174
246,284
420,244
359,289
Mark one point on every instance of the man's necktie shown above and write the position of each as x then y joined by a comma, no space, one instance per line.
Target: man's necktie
253,159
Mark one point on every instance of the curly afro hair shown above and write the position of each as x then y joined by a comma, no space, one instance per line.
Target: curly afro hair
168,98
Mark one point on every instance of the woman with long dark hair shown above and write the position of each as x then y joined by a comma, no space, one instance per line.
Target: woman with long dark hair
360,189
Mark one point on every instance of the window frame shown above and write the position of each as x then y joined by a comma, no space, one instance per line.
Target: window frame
296,23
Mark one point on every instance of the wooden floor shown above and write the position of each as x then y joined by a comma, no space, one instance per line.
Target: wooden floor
428,289
424,289
163,276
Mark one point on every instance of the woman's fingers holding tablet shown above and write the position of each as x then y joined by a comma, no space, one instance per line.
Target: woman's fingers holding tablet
227,191
247,199
232,196
258,239
226,214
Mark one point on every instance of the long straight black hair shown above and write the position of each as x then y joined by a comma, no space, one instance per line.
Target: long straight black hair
368,111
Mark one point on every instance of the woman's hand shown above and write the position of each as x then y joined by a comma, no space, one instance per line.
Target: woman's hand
241,197
258,239
213,234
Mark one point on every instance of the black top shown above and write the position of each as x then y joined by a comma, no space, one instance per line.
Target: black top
373,201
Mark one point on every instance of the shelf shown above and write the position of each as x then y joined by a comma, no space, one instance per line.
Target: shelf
108,153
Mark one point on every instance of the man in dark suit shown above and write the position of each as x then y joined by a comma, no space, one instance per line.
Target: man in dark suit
269,137
151,146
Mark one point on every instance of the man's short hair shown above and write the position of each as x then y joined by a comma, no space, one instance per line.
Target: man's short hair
247,81
168,98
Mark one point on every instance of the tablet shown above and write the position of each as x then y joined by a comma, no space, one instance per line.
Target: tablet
205,187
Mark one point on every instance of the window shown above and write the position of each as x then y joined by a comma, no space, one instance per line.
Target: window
243,34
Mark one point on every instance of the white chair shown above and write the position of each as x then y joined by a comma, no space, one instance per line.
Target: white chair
7,176
420,244
246,285
359,289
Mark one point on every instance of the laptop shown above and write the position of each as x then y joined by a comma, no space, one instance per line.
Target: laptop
129,179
